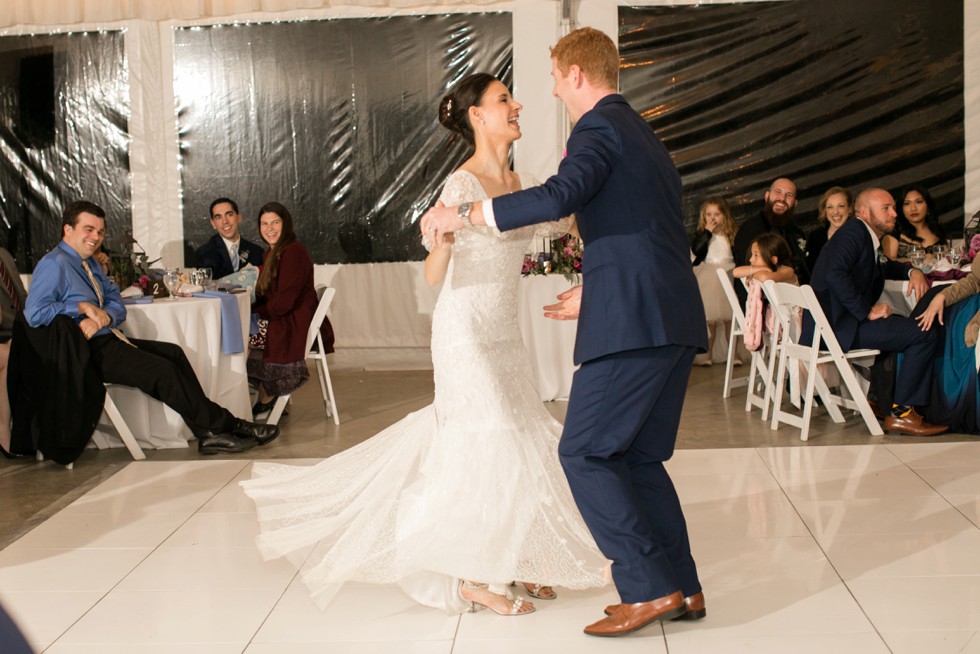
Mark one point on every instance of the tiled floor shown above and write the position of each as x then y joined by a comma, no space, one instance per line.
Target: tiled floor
865,547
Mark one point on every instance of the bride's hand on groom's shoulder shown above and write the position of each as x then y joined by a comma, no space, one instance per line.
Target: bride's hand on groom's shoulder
567,307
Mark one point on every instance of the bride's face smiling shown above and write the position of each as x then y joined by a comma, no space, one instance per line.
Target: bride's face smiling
497,114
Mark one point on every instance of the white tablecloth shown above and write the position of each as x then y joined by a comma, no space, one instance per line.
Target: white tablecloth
895,296
550,342
195,325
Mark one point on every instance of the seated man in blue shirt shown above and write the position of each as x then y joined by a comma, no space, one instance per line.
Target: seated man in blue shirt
66,282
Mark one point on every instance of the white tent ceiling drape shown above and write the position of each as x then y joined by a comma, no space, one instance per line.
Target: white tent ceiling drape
69,12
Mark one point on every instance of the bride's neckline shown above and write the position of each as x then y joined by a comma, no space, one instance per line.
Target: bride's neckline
476,178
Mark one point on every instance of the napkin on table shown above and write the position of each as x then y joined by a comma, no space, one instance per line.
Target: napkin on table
231,324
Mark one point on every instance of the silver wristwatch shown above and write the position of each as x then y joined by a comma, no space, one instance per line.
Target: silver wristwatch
463,211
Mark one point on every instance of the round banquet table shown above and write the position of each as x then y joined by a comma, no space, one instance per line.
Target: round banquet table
194,323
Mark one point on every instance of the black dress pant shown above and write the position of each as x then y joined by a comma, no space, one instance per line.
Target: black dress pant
162,371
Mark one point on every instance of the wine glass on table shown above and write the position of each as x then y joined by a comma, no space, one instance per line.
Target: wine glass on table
917,257
171,279
204,275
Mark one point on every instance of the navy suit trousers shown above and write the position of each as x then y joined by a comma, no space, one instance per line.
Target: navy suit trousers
621,425
918,349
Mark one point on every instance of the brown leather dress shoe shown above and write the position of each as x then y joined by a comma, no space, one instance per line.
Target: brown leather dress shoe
912,424
694,604
627,618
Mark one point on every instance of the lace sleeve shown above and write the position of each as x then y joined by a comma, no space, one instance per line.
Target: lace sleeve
460,187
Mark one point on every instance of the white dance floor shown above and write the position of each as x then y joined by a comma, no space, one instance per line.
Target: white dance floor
838,549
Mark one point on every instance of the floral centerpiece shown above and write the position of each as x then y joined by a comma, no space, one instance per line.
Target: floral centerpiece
973,248
561,256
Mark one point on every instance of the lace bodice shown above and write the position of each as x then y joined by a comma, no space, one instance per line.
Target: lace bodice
477,307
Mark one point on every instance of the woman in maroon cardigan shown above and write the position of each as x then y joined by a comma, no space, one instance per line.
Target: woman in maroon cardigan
286,299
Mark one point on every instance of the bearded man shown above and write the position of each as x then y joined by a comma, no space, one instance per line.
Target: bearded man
776,217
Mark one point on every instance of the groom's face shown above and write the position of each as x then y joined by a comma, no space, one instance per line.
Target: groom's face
563,85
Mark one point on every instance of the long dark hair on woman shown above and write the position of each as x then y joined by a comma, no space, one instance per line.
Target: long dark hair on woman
454,110
271,266
902,224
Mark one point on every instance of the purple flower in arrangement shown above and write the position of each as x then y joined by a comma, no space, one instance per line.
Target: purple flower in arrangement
563,256
974,246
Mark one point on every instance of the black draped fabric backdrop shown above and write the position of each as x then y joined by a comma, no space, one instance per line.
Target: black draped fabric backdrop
835,92
64,135
336,119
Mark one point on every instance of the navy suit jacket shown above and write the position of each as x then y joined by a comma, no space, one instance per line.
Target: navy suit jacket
214,255
639,289
848,279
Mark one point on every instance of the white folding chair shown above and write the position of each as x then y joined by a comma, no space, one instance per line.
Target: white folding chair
737,330
762,362
787,298
125,434
319,356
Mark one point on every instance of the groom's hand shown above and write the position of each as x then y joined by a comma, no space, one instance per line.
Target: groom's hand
568,307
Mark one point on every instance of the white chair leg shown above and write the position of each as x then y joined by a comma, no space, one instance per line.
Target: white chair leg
326,388
812,374
726,390
777,390
124,432
332,409
850,381
277,410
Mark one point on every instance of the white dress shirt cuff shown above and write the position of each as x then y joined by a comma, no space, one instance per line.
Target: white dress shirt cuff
488,216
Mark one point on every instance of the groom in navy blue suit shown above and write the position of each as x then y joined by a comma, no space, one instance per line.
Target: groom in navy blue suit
639,326
848,280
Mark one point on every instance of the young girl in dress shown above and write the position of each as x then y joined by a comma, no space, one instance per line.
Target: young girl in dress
769,257
712,250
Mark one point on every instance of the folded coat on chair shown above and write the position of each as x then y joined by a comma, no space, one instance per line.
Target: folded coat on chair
56,396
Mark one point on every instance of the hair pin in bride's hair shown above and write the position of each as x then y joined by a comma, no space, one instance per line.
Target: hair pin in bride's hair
449,104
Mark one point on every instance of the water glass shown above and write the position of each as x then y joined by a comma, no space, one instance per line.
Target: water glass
171,279
917,257
204,274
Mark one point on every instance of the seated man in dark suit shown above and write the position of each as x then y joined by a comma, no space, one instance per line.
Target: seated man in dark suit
227,251
66,283
848,279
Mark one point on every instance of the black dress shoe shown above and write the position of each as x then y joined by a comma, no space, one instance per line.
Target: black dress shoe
210,442
261,433
263,407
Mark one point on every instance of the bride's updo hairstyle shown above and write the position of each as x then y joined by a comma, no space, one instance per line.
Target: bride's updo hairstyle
454,110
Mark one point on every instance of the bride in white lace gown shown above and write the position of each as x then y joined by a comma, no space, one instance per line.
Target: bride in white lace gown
470,487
